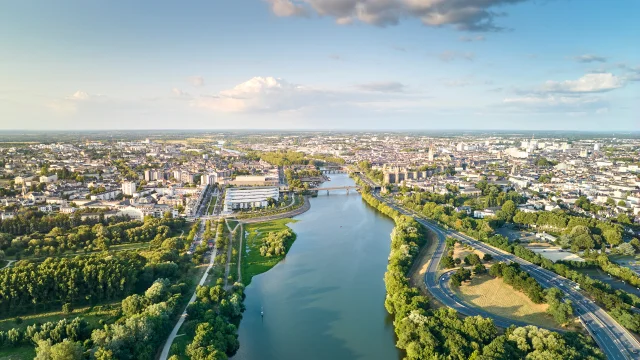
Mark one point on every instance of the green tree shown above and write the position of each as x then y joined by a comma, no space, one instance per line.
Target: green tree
447,262
509,210
472,259
626,249
66,350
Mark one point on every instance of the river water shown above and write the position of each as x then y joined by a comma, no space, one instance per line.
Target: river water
325,300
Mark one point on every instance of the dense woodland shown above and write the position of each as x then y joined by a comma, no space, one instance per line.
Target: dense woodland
33,233
151,285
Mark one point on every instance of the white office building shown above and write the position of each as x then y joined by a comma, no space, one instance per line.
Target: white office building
128,188
208,179
247,198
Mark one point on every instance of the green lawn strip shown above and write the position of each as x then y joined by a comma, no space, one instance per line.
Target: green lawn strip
212,204
252,262
3,263
233,270
92,315
24,352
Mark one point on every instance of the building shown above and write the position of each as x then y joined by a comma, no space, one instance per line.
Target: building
208,179
247,198
48,179
152,175
253,180
107,195
37,197
128,188
470,192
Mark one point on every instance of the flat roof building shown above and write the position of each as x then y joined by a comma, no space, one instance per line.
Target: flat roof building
247,198
254,180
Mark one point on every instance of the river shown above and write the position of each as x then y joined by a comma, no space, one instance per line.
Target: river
326,299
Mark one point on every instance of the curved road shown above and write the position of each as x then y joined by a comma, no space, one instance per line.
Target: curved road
614,340
439,287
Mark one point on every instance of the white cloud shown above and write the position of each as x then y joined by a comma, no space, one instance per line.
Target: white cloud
589,83
468,15
196,81
179,93
78,95
555,103
286,8
69,104
270,94
257,94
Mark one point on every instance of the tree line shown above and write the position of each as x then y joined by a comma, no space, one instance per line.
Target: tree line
61,239
213,321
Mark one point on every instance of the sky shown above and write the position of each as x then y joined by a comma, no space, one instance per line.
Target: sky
320,64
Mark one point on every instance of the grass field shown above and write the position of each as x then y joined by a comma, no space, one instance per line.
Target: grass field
252,262
460,251
233,270
494,296
93,315
19,353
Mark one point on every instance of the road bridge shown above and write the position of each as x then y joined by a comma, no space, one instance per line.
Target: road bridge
334,188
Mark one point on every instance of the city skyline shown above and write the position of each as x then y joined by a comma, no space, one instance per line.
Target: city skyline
315,65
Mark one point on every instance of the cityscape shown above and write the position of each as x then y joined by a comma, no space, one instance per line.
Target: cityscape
319,179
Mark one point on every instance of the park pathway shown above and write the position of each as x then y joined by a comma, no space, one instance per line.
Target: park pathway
229,252
167,346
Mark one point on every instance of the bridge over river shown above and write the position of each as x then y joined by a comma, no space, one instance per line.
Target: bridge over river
334,188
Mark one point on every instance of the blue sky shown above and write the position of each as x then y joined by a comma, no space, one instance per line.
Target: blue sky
320,64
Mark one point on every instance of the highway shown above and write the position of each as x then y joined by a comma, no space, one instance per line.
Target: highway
614,340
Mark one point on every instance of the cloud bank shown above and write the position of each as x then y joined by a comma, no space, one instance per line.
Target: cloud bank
465,15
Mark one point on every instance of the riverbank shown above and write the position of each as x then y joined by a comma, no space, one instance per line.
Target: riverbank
252,262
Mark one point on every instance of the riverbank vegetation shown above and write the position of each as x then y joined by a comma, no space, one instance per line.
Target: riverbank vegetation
427,333
272,238
213,321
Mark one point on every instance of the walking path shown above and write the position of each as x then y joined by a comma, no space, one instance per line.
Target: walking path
9,262
167,345
229,252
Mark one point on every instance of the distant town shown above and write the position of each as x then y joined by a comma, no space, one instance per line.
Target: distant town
179,239
594,177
